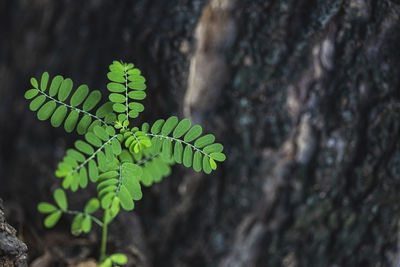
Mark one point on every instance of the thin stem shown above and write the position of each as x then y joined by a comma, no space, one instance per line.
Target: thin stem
126,94
103,248
92,156
75,212
119,181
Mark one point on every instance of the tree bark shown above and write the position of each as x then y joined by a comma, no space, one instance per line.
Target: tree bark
13,252
304,95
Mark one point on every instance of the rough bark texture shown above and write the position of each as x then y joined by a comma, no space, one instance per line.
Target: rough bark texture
13,252
308,110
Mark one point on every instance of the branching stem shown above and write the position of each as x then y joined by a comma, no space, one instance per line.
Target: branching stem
75,212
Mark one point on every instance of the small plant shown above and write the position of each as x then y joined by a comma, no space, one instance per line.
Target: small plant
117,157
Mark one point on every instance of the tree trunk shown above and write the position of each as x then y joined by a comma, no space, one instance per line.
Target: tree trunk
304,95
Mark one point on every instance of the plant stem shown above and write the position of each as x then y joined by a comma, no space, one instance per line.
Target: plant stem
104,235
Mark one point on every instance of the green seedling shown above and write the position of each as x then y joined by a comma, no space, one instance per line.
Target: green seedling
116,156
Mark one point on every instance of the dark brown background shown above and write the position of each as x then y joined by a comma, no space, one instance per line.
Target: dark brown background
310,119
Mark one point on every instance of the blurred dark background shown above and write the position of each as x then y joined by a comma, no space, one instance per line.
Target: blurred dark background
304,95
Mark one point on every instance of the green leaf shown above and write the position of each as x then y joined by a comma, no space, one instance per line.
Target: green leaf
34,83
119,258
109,153
92,206
116,146
86,224
92,139
117,66
137,95
133,114
93,124
137,85
182,128
104,109
116,87
213,164
37,102
125,156
107,189
114,209
119,107
217,147
130,174
197,161
93,171
116,77
75,182
110,118
109,175
178,152
55,85
70,122
145,127
204,141
101,161
110,130
79,95
76,155
137,107
156,128
125,198
107,199
52,219
84,147
58,116
193,133
83,124
76,225
31,93
187,156
46,110
131,171
65,89
92,100
101,133
45,207
218,156
117,98
169,125
71,161
146,178
44,81
167,149
83,181
61,199
134,72
206,165
136,77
